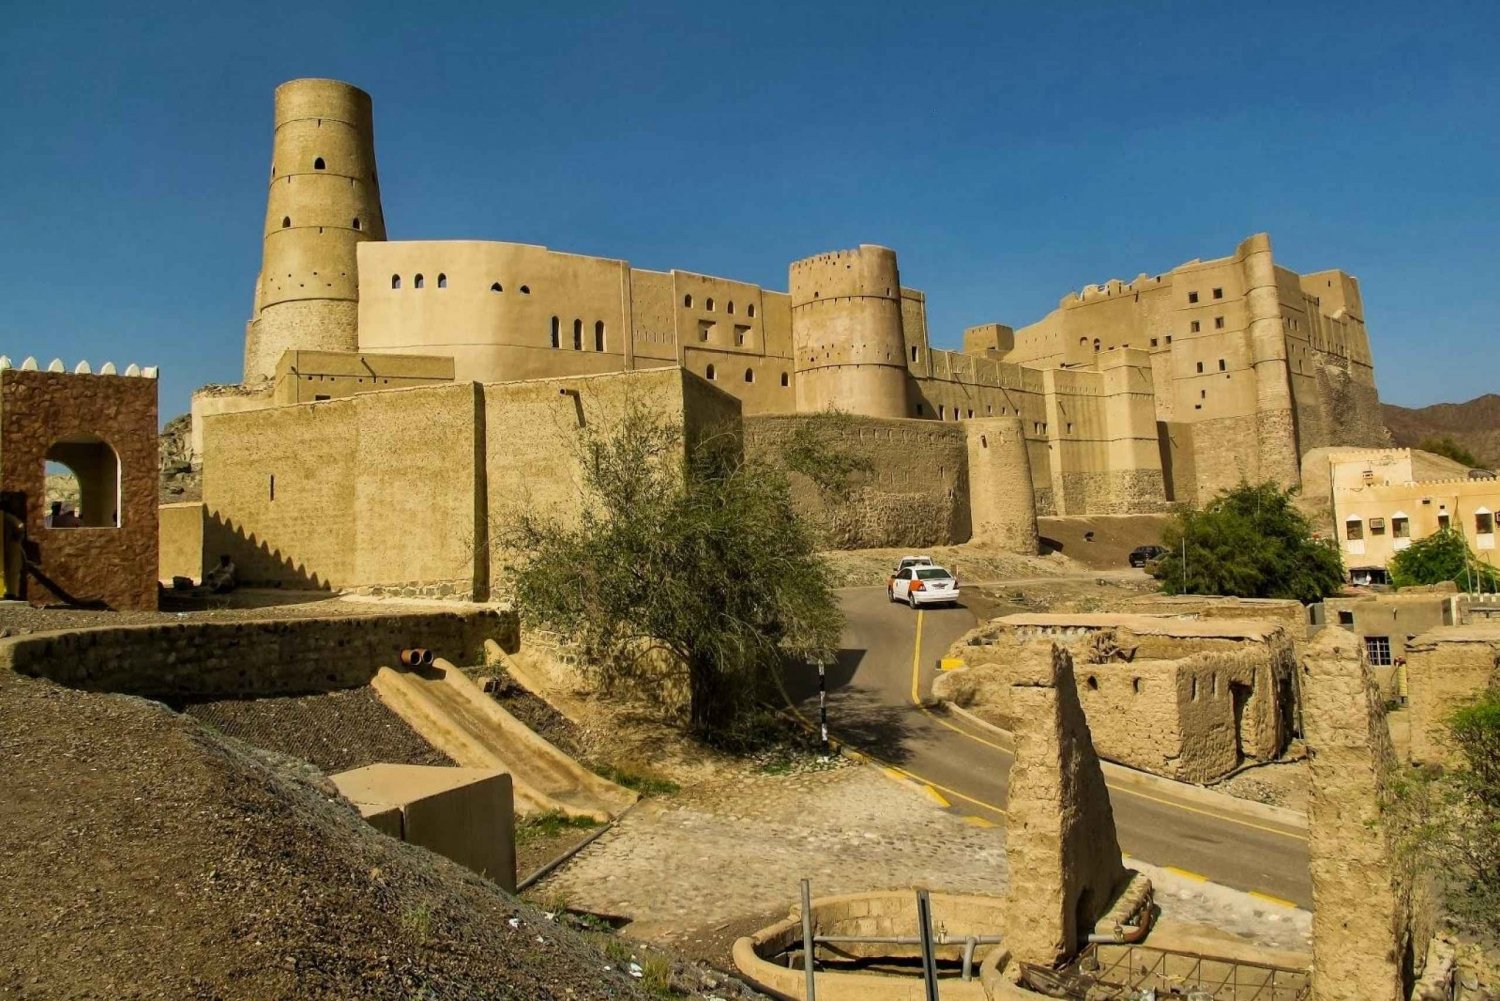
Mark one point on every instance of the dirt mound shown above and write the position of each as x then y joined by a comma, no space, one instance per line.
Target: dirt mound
1101,543
336,731
144,856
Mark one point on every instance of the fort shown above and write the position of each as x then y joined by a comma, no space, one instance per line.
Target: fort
1128,397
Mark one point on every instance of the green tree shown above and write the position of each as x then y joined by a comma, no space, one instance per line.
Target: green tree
1453,817
1449,448
683,547
1443,556
1250,542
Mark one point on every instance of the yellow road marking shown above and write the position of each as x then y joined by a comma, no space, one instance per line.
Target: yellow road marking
1280,902
893,774
1186,874
937,797
974,821
916,662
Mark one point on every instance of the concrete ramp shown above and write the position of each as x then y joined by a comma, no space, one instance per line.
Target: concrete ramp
457,718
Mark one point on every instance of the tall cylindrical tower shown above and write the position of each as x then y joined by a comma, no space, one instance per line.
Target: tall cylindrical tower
1002,503
1276,423
324,200
846,332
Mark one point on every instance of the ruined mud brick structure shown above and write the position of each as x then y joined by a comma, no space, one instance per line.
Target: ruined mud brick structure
1061,847
102,426
1126,398
1446,667
1189,700
1373,917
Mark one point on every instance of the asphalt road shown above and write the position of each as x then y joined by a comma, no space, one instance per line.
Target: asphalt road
877,698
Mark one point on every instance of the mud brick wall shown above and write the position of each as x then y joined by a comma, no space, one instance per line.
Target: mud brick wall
113,565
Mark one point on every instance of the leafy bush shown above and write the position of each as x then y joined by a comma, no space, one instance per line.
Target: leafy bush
1249,542
1449,448
1443,556
680,548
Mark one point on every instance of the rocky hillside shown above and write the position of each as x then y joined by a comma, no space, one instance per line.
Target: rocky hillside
143,855
1474,425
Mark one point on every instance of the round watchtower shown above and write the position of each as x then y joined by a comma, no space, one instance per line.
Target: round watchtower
846,332
324,201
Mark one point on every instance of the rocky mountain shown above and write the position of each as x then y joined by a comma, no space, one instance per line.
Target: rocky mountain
1475,425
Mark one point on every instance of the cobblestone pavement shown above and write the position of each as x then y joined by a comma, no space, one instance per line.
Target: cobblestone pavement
682,867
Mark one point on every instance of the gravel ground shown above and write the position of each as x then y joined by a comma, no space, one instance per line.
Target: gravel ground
336,732
144,856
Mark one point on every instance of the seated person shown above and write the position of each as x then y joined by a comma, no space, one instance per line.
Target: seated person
221,579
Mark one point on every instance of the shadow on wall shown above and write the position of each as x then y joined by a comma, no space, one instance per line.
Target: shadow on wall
259,565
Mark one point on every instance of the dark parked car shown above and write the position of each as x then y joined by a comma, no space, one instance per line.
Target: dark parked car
1141,555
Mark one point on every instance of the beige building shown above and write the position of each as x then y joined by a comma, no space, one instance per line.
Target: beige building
1381,502
1129,396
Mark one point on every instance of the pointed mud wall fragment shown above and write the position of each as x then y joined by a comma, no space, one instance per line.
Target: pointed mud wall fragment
1061,847
1372,915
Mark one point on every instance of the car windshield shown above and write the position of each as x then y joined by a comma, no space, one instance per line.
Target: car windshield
935,573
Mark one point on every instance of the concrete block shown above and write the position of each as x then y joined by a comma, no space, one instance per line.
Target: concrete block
464,814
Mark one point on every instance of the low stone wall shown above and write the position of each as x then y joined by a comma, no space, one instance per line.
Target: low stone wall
187,661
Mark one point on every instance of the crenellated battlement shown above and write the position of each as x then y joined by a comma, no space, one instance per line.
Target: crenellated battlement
56,366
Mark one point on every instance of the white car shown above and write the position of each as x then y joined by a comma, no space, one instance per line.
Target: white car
923,585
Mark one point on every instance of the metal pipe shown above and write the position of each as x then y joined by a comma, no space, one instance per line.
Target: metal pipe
1126,934
807,940
929,956
940,939
968,966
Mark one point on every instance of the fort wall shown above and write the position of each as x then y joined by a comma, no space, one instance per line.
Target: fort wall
915,490
1446,667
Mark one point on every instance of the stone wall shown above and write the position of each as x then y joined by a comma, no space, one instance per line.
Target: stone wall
1372,916
1445,667
1184,700
104,427
914,493
1061,847
189,661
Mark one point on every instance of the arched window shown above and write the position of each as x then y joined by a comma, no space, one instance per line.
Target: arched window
442,281
418,282
1096,344
750,309
599,336
83,483
710,373
395,281
577,335
286,222
525,289
356,222
496,287
749,375
555,332
708,304
729,306
687,301
785,380
318,164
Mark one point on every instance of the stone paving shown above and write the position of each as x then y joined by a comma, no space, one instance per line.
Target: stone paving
716,854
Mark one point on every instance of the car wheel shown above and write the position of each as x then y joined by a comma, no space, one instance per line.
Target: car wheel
911,600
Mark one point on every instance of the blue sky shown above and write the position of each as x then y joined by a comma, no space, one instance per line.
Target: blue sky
1010,152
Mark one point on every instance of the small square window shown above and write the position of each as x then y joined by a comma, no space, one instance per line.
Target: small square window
1218,323
1192,297
1354,530
1401,528
1194,327
1218,293
1378,650
1346,618
1221,365
1200,366
1169,338
1484,523
1153,342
